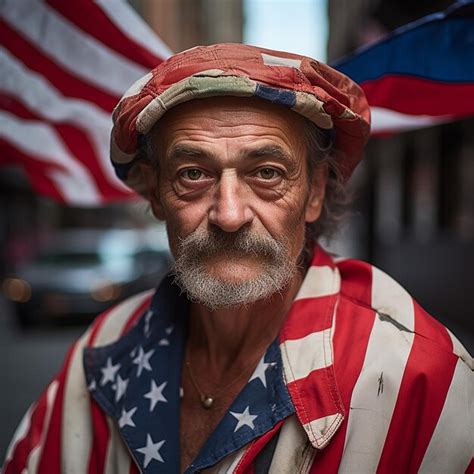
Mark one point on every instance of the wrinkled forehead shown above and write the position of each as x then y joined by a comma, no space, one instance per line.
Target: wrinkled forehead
227,117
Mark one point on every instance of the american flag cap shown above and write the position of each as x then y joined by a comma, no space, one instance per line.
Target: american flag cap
314,90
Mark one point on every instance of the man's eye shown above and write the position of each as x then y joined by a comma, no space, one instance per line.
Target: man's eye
192,174
268,173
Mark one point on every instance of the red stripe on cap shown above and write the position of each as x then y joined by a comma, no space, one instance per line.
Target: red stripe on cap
90,18
50,460
65,82
470,468
402,93
25,446
423,390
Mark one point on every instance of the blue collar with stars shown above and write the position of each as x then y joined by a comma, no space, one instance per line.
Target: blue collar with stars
136,381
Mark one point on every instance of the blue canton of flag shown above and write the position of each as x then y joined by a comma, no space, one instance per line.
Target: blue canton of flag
136,381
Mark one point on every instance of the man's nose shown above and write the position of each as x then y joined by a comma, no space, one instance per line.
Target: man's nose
230,210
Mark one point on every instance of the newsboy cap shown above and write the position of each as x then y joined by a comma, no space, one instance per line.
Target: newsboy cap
312,89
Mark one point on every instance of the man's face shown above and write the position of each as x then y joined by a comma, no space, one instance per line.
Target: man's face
234,192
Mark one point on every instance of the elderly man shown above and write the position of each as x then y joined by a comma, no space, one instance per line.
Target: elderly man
260,352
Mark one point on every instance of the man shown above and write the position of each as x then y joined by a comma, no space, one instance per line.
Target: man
260,353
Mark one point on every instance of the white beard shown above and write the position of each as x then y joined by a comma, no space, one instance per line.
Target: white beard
277,267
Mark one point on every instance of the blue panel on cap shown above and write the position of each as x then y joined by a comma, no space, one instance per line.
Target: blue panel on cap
278,96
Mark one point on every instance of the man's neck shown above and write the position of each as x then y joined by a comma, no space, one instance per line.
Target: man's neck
231,337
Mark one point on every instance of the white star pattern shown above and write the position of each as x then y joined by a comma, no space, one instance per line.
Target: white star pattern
92,386
120,387
259,372
143,360
169,330
151,450
156,394
109,372
244,419
163,342
126,418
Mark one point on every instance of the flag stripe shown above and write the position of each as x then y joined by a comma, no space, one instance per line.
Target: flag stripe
74,139
375,392
100,439
133,27
64,81
448,59
437,100
71,178
35,454
69,63
454,421
350,342
425,384
107,31
50,460
76,428
388,121
423,69
92,61
37,171
27,437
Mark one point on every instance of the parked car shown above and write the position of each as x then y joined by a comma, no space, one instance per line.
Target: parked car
80,273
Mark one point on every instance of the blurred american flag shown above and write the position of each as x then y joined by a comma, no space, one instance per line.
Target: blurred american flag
63,67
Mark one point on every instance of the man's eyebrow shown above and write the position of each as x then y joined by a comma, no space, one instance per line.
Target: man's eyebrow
184,150
273,151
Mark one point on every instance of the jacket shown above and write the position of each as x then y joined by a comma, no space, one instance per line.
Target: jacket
377,385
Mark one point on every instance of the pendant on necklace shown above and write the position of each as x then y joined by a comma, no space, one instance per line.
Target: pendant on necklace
207,402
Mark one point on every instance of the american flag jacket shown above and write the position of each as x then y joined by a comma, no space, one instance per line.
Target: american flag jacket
361,379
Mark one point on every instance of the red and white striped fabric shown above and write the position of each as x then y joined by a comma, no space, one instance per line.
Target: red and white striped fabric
377,384
63,68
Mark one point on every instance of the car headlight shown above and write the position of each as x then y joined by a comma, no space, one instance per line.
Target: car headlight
104,290
16,289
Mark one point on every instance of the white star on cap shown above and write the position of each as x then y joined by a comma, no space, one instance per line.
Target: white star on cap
244,419
109,372
126,418
259,372
92,386
143,360
151,450
156,394
120,387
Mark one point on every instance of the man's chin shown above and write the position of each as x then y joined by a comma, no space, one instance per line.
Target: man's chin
216,293
234,272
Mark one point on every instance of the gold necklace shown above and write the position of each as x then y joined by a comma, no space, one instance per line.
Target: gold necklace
207,401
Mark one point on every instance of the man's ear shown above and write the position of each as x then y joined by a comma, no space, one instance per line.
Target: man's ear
317,191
